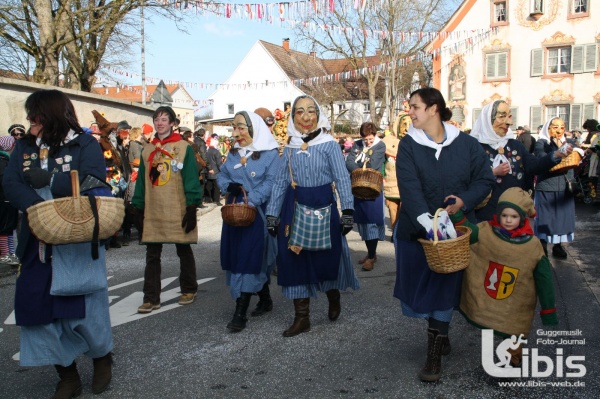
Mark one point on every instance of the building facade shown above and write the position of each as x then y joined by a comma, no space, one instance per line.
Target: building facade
541,57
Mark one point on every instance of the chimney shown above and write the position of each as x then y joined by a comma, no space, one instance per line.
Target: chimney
313,54
286,44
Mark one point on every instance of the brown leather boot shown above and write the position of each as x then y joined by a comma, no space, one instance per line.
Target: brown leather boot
363,260
301,320
102,373
69,385
335,307
368,265
433,366
516,356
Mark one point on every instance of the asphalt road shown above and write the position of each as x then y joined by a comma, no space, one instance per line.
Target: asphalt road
372,351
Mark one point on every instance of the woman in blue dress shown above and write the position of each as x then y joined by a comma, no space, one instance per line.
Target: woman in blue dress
248,253
437,167
368,214
312,162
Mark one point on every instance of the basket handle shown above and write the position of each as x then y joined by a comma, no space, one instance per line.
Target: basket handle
243,192
435,224
75,183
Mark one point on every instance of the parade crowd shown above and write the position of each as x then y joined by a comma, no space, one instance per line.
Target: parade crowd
292,206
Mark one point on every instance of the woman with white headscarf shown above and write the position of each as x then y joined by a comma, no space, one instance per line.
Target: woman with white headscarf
511,163
248,253
368,214
437,167
555,219
312,162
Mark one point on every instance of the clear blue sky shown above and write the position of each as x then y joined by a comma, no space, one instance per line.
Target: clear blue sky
208,54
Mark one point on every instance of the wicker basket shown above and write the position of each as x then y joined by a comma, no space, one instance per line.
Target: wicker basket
447,256
569,162
70,220
238,215
366,183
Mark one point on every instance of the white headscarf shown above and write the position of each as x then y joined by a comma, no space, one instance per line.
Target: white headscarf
545,134
262,138
323,124
484,132
421,137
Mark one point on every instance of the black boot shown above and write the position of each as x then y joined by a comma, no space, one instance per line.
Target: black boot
238,323
265,303
102,373
559,252
301,319
335,307
433,366
69,385
545,247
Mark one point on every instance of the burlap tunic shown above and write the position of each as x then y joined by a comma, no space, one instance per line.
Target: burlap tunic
500,285
164,202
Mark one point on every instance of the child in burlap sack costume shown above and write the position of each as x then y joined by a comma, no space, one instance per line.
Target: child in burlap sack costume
508,268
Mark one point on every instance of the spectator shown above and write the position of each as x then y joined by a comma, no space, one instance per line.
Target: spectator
17,131
214,161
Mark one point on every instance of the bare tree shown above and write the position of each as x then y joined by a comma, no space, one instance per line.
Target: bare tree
357,45
78,32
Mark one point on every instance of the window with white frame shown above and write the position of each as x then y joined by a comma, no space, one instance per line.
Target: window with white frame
558,111
341,107
366,108
496,65
230,109
559,60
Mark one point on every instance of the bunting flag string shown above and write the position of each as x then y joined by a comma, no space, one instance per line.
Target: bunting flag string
298,12
457,47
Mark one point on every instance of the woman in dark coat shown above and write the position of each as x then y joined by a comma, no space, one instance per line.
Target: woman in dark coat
511,163
57,328
437,167
214,161
368,214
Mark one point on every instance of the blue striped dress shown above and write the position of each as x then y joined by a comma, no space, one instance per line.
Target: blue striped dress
248,253
323,165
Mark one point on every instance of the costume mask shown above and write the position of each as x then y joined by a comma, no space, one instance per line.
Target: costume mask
306,115
556,128
242,130
501,119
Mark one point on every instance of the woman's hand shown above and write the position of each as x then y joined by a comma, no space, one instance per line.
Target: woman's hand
560,154
502,169
453,206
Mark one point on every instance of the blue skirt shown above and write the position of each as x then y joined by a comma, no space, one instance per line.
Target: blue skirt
308,267
421,289
555,220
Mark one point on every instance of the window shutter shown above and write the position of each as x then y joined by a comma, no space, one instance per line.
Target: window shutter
537,62
490,67
535,117
590,62
588,111
515,117
476,112
502,61
577,59
575,116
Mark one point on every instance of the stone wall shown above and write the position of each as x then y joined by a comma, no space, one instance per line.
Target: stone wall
13,94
